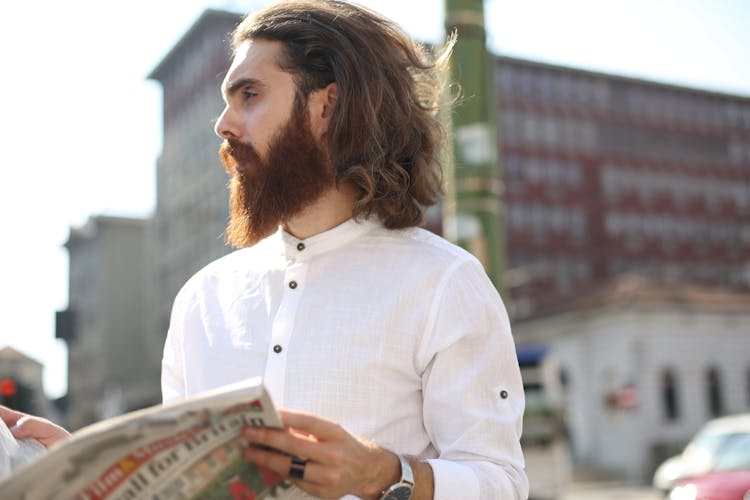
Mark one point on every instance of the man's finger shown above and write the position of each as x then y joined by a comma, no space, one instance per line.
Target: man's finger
322,428
10,417
40,429
26,426
282,464
283,440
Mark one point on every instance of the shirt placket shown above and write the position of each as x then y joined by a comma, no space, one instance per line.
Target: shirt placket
281,335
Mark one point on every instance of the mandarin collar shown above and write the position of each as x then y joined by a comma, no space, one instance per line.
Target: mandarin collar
295,249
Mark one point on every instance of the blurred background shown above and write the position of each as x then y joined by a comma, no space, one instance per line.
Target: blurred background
602,174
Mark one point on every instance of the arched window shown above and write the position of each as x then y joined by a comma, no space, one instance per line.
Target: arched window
669,395
713,392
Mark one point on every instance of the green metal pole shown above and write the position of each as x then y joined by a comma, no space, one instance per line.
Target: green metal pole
474,217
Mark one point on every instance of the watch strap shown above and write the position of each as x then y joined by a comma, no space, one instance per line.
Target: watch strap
406,482
407,476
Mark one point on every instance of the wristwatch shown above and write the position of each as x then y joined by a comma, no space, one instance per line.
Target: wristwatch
403,489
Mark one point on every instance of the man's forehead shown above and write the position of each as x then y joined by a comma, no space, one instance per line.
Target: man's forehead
254,59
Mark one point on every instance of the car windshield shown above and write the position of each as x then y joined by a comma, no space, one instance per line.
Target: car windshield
699,455
734,453
709,441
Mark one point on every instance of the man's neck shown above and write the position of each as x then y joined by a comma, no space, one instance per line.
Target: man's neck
333,208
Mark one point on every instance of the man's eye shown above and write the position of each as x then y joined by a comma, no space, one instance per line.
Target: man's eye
247,94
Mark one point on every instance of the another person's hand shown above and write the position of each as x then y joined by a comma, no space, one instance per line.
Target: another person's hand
335,463
28,426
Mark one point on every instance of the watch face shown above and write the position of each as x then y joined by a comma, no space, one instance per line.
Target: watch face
402,492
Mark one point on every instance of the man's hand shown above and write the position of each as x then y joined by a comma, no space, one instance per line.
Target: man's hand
338,463
28,426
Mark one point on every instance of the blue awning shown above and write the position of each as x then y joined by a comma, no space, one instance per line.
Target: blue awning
531,354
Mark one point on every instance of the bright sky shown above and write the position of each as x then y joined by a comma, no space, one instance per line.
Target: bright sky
82,129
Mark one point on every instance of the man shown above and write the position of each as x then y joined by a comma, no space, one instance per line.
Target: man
388,345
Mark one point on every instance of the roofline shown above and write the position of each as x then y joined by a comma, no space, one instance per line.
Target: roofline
17,354
83,231
156,72
620,77
627,292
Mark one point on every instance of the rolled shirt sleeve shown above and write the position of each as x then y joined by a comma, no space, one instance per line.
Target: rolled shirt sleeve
472,390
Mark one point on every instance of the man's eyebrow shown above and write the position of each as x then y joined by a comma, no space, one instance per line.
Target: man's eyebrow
232,87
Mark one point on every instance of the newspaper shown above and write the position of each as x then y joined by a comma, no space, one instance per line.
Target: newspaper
189,449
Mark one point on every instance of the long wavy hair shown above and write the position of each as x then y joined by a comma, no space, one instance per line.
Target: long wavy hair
384,137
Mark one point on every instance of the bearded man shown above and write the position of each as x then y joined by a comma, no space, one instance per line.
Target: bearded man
388,346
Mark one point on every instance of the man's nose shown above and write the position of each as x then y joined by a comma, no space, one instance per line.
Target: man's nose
226,127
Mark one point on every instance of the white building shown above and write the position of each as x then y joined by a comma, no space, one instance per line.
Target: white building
644,365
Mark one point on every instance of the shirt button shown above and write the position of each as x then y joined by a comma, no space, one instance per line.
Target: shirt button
300,246
277,348
292,285
504,394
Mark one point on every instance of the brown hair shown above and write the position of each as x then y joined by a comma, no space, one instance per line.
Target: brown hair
384,137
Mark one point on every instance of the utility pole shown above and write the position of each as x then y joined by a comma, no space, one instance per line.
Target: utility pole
473,212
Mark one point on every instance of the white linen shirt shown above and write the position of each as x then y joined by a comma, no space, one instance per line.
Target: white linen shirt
397,335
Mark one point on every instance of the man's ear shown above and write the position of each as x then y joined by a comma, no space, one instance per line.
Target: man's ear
322,103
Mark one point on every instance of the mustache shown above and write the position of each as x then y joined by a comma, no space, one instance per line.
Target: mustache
237,156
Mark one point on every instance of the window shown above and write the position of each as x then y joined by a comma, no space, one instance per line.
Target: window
562,271
513,172
534,170
509,130
525,81
558,218
582,270
565,87
601,93
588,136
572,175
505,76
669,397
713,393
538,222
578,225
531,129
550,132
517,216
545,83
609,180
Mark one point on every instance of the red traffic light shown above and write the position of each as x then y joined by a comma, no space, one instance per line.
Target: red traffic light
8,387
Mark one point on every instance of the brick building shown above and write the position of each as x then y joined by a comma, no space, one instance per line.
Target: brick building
606,175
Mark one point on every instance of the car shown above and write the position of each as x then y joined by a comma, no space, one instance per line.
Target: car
721,485
715,465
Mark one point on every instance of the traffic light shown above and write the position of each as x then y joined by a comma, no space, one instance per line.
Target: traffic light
16,395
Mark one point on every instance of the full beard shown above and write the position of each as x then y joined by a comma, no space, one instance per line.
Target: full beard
265,193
